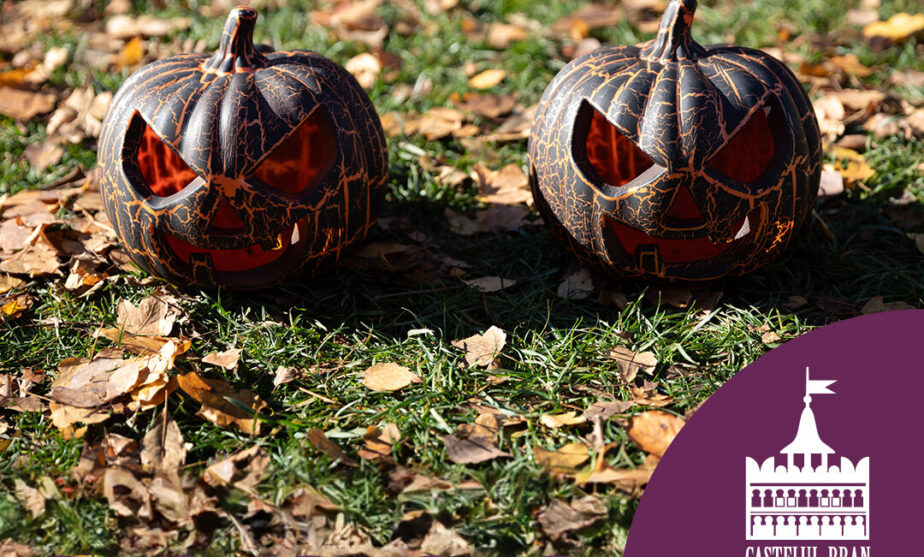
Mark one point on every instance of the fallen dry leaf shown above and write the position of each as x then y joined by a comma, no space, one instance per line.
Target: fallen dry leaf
8,283
29,497
487,79
243,470
24,105
222,404
151,317
654,430
365,68
380,442
126,27
322,443
227,359
490,284
481,350
898,28
471,450
626,478
485,104
560,518
876,305
388,377
852,165
283,375
604,410
563,460
126,494
507,186
500,35
44,154
443,541
565,419
577,285
630,362
65,417
162,447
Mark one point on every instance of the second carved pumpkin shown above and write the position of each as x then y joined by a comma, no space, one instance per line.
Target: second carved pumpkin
672,161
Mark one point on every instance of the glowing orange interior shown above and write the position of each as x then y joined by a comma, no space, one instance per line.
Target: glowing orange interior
163,170
239,259
616,159
747,154
302,159
671,251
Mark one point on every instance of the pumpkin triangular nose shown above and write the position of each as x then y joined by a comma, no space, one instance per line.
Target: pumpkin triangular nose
226,220
684,211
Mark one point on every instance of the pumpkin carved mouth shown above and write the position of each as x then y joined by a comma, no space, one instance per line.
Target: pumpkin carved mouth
246,258
652,252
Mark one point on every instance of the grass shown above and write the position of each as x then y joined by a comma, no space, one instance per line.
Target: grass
356,317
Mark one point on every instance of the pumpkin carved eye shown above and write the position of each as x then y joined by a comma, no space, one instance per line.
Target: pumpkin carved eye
610,155
745,156
301,161
163,172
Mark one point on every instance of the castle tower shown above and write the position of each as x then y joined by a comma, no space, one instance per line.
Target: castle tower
807,441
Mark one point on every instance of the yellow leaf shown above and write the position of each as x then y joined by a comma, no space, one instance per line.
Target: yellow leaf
565,459
132,52
852,165
487,79
897,28
653,431
561,420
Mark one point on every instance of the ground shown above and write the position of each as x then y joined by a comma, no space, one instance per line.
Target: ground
318,474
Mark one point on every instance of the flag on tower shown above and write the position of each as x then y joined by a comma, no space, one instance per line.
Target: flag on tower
817,386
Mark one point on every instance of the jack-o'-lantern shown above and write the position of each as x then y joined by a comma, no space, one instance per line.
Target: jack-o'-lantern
241,168
673,161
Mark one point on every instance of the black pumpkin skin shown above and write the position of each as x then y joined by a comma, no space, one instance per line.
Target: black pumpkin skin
222,114
680,103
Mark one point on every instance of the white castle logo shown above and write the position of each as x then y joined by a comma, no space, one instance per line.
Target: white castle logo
804,500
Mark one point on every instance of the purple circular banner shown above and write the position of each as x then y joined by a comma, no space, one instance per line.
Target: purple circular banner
785,462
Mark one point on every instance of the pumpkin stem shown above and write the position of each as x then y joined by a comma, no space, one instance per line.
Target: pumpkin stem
236,51
674,40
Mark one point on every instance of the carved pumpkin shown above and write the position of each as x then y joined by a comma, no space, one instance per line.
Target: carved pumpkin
241,168
672,161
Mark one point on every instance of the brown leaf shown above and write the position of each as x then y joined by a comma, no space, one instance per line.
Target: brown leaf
126,27
44,154
216,397
507,186
560,518
565,419
876,305
30,498
283,375
36,260
654,430
388,377
629,362
487,79
365,68
604,410
379,443
152,317
91,383
490,284
485,104
501,217
243,470
10,548
443,541
471,450
227,359
322,443
64,417
481,350
500,35
8,283
24,105
577,285
139,344
563,460
126,494
436,123
162,447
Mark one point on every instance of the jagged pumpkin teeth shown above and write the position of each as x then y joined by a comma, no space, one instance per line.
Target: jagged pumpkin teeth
670,160
215,193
